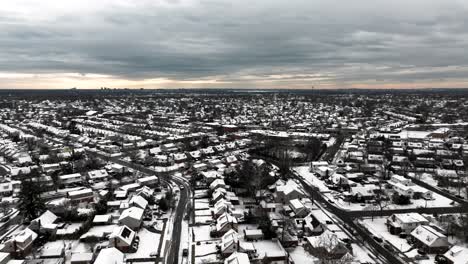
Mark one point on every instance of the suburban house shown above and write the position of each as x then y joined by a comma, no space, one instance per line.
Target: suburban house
237,258
44,223
429,239
457,255
83,195
132,217
229,242
405,223
110,255
123,238
148,181
327,245
20,244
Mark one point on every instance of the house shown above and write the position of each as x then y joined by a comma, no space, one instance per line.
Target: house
224,223
180,157
149,181
139,201
429,239
82,195
9,188
102,219
110,256
218,183
298,208
20,244
210,176
169,147
405,223
146,192
237,258
82,258
122,238
45,223
289,191
457,255
130,187
316,164
132,217
218,194
71,179
316,222
222,206
229,243
98,175
195,154
253,234
327,246
364,192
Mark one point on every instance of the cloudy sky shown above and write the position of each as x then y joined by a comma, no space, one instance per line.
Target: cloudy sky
234,43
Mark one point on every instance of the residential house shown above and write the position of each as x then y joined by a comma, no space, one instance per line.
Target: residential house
132,217
405,223
429,239
457,255
122,238
110,256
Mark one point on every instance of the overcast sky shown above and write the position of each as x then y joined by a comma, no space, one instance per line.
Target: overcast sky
234,43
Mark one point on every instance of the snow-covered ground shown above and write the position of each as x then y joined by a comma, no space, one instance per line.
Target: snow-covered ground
202,233
300,256
438,201
378,227
310,178
149,244
429,179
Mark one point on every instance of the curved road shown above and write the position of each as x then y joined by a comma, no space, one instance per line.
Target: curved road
174,242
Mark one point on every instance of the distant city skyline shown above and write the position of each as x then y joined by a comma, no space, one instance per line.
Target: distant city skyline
233,44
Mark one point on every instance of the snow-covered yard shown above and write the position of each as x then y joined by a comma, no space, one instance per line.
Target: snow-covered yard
311,179
149,244
202,233
378,228
299,255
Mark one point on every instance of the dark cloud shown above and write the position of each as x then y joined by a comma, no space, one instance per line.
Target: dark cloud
238,40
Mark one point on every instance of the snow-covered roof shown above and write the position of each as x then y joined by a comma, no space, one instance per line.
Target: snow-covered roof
457,254
110,256
132,212
427,235
237,258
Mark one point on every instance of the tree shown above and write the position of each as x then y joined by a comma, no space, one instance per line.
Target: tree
329,249
401,199
4,207
31,203
312,148
164,204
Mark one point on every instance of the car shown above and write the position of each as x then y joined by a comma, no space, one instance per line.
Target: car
331,201
378,239
181,187
185,252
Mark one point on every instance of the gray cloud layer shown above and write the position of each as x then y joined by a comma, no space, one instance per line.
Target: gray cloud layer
241,41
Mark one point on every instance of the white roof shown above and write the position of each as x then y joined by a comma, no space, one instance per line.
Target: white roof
132,212
139,201
124,233
237,258
457,254
110,256
411,218
102,218
426,234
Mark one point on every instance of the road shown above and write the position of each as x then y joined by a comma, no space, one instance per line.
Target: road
174,243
